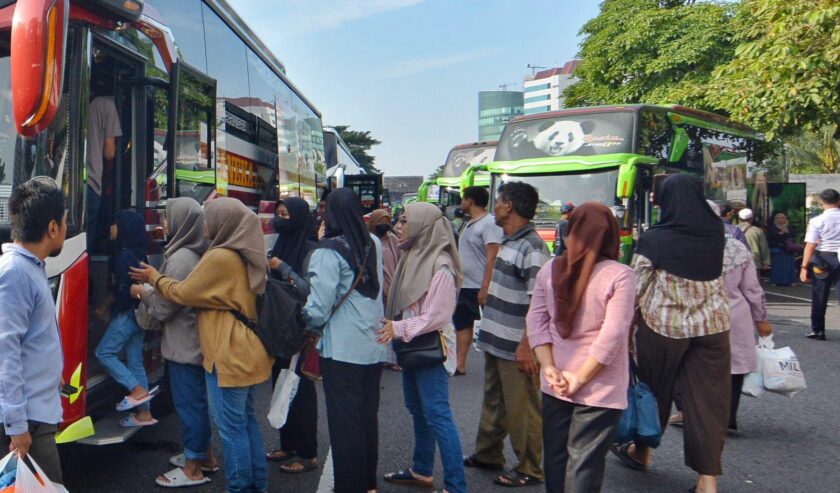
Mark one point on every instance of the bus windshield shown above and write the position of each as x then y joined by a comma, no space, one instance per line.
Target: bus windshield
460,159
556,190
567,135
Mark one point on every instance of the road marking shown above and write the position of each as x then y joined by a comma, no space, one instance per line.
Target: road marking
793,297
325,485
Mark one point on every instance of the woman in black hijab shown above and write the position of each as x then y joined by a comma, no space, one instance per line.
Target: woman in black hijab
683,335
298,449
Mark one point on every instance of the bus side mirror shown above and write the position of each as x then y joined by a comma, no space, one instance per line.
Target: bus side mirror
679,145
38,39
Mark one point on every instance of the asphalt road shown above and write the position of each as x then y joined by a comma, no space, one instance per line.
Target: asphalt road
784,445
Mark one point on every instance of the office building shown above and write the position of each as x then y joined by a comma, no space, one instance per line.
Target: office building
544,90
495,109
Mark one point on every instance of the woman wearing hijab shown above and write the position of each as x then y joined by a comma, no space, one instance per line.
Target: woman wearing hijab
683,335
123,333
782,241
422,300
578,325
298,450
226,279
345,303
379,224
184,226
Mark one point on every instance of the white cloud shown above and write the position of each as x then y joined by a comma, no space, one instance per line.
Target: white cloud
287,18
413,67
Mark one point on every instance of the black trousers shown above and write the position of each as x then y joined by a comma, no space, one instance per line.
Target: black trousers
700,366
43,449
821,291
352,396
576,439
300,433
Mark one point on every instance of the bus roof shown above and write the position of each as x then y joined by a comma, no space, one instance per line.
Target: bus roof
485,143
673,108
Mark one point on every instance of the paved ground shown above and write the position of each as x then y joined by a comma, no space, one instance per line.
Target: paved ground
785,445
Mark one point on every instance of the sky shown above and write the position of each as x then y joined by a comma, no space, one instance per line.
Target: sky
409,71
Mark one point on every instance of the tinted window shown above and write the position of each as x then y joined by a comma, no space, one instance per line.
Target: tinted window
654,134
228,62
184,17
725,160
567,135
460,159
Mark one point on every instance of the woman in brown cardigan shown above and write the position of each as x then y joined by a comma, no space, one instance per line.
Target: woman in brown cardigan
228,277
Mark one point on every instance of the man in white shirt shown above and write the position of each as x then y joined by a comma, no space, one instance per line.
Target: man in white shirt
822,242
102,132
478,245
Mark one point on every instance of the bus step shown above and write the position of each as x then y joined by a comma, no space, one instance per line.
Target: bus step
109,432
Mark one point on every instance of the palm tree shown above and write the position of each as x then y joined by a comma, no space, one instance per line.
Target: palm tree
815,152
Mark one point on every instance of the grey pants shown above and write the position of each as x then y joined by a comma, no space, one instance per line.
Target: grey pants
43,449
576,441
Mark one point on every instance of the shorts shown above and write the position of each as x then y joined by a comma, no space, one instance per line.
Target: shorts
466,311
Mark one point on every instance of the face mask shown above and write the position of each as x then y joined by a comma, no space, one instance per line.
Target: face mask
281,225
382,229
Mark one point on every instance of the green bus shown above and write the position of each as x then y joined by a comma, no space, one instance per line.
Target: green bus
446,189
616,154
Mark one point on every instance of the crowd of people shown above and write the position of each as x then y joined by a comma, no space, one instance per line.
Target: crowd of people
558,334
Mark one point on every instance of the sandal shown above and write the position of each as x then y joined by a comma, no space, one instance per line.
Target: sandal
407,477
129,402
622,452
177,479
280,455
180,460
131,421
516,479
298,465
472,461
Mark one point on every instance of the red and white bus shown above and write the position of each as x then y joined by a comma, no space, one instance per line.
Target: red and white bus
205,109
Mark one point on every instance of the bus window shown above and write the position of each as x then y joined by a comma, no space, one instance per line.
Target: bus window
194,135
654,134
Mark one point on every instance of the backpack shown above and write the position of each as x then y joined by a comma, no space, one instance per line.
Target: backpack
280,326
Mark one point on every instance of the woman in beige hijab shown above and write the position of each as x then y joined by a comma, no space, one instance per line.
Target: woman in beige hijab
227,279
422,300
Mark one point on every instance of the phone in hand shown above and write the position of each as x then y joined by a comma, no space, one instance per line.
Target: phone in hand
67,390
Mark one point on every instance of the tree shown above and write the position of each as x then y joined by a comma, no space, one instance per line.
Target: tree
359,142
785,74
814,152
436,173
652,51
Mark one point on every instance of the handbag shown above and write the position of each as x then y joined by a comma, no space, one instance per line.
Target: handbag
639,423
424,350
310,364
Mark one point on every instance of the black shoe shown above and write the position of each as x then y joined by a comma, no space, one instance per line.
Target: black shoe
820,336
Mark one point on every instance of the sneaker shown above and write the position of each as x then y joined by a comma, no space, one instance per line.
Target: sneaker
820,336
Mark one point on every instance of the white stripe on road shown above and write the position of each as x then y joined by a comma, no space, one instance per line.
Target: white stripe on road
792,297
325,485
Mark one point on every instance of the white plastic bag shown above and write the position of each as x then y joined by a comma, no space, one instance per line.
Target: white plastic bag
284,391
782,372
26,480
754,381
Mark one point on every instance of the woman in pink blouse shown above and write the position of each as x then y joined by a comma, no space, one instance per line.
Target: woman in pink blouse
422,300
578,325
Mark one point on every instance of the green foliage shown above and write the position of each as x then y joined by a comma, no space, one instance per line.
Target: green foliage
359,142
814,152
785,74
436,173
650,51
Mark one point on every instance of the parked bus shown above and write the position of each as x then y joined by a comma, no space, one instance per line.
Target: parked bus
205,109
616,154
446,189
344,171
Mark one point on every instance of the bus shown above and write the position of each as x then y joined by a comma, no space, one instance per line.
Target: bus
206,110
446,189
616,154
344,171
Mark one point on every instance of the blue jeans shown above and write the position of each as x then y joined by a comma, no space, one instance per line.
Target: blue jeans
427,399
246,467
124,334
189,394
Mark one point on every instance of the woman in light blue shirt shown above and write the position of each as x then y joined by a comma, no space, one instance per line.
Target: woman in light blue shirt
349,260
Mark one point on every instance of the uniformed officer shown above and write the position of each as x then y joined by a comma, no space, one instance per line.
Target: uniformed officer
822,243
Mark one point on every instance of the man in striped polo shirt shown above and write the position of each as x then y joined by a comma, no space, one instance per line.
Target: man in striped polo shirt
511,403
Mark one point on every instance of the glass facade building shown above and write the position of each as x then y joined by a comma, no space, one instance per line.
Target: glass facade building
495,109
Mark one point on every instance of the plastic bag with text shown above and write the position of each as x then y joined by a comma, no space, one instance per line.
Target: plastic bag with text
782,372
754,382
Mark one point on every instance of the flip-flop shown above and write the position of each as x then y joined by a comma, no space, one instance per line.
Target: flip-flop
177,479
405,477
306,463
131,421
621,451
516,479
181,461
129,402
